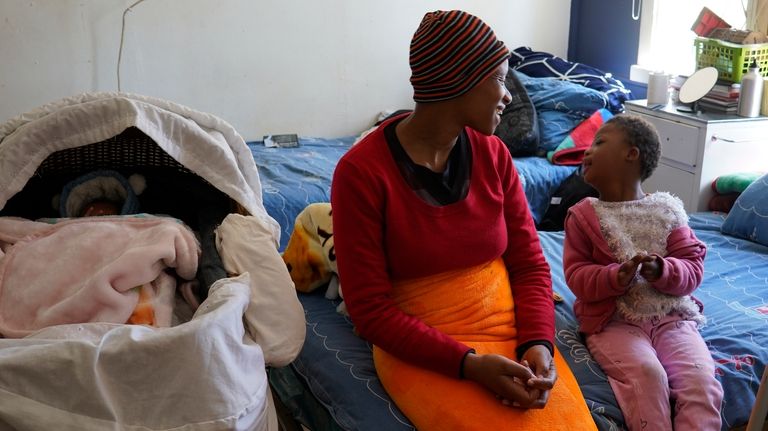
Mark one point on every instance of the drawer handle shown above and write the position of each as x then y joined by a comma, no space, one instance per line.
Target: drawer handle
733,141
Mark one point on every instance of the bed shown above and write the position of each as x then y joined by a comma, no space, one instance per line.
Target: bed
291,179
735,297
332,384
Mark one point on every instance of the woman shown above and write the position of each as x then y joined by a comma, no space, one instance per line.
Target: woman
438,254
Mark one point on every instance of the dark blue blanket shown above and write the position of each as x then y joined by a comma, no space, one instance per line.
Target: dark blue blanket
544,65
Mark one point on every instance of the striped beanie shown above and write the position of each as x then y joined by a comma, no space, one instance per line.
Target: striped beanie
451,52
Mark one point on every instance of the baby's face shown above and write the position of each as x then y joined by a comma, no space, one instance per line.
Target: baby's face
605,161
101,208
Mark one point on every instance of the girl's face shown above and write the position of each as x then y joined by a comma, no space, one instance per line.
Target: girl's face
484,104
605,161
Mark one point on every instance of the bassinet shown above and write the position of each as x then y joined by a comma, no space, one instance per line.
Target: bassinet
208,372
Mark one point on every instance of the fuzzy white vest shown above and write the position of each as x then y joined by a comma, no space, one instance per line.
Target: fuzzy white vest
633,227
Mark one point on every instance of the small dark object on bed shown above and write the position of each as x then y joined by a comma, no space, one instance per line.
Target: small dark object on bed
571,191
281,141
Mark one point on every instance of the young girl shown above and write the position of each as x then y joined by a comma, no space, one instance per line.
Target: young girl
632,262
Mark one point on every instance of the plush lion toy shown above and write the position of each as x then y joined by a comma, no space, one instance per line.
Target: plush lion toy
309,254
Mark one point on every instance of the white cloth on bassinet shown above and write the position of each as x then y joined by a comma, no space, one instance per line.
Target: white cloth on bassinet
207,373
276,332
106,376
203,143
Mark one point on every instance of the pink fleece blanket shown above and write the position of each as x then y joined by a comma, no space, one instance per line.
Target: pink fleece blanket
91,269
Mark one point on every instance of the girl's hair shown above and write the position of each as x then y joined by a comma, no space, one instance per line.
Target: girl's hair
643,135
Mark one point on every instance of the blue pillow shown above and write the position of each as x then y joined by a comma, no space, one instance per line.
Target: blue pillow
748,218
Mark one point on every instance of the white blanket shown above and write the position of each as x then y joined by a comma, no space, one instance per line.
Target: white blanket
90,269
203,375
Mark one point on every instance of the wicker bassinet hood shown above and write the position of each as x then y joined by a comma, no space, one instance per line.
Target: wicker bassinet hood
203,143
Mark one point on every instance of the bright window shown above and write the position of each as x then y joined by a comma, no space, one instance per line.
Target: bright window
666,38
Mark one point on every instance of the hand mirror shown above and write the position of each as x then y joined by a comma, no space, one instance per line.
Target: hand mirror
695,87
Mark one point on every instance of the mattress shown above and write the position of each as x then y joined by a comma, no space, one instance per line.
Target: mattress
336,367
735,296
293,178
333,384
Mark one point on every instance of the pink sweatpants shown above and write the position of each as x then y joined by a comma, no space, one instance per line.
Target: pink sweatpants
650,364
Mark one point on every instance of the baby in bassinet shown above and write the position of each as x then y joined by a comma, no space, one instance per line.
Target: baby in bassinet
81,269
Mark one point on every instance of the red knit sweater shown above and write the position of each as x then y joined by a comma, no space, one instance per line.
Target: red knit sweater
383,231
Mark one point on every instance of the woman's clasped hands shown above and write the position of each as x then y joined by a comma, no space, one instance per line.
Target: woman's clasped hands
524,384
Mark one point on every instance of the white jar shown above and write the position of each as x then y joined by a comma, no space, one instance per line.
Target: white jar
658,88
751,92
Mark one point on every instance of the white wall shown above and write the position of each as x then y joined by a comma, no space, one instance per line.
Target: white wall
313,67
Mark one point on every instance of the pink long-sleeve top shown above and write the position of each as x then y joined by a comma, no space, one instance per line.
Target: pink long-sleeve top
591,270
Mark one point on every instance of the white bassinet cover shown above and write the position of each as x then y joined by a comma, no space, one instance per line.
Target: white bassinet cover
203,143
208,373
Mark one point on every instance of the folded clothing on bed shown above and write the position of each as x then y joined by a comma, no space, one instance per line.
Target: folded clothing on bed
722,202
728,188
570,152
90,269
519,125
561,105
736,182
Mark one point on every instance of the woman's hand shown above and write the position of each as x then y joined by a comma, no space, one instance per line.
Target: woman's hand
502,376
542,365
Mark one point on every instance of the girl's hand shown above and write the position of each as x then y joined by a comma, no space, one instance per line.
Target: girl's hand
628,269
651,267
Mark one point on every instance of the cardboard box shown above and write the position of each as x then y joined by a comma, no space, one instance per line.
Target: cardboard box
743,37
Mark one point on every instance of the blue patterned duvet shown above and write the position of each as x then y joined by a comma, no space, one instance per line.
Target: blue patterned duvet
337,368
735,297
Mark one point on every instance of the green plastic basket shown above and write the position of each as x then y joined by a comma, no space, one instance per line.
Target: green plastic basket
730,59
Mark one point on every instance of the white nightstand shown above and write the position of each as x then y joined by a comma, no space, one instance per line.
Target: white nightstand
697,148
